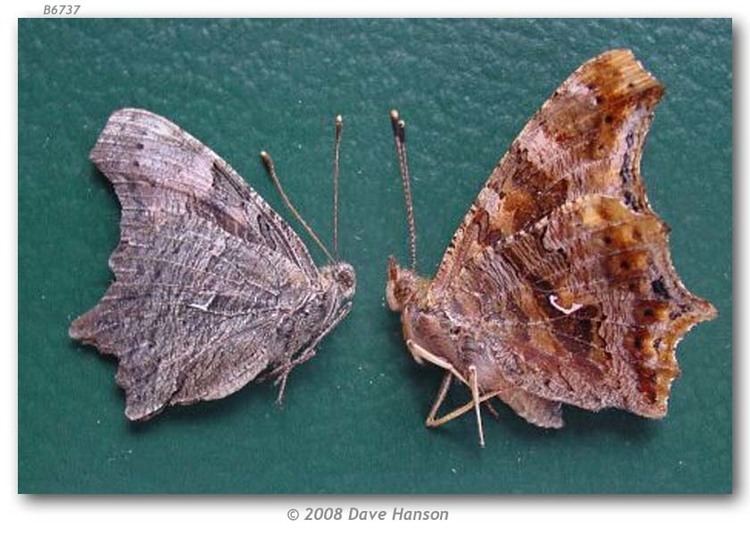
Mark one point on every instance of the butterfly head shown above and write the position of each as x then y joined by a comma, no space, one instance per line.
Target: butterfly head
343,278
404,286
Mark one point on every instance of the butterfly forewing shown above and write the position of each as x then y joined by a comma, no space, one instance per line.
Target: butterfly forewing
587,138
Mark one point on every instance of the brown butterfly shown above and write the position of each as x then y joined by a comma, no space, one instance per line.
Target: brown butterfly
213,289
558,285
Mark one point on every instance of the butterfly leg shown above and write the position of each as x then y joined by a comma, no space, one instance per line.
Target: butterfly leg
477,402
421,353
282,372
433,421
442,392
491,409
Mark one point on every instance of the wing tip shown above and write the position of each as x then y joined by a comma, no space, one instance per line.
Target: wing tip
78,329
708,311
140,413
140,404
620,73
121,123
74,331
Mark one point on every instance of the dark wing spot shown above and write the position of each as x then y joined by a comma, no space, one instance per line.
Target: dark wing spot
223,181
630,200
266,232
658,287
626,173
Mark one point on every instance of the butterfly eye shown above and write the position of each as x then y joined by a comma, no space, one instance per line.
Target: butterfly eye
345,279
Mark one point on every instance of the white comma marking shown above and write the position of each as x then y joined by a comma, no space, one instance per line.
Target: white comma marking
565,310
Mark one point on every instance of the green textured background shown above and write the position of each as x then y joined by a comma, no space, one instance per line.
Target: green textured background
353,417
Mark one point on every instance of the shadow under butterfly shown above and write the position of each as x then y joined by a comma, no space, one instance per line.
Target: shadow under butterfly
558,287
213,289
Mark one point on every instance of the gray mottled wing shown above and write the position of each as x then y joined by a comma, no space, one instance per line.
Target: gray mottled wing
204,270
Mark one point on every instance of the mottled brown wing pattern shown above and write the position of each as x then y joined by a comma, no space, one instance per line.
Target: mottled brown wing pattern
206,272
586,139
564,261
584,307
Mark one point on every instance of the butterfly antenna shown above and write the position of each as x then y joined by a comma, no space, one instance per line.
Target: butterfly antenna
271,169
339,128
399,139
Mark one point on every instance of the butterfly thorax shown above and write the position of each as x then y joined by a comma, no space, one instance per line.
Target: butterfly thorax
326,305
424,322
318,309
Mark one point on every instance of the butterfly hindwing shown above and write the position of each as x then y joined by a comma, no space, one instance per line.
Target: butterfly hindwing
584,307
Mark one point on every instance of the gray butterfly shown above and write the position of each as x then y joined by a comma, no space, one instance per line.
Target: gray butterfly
212,289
